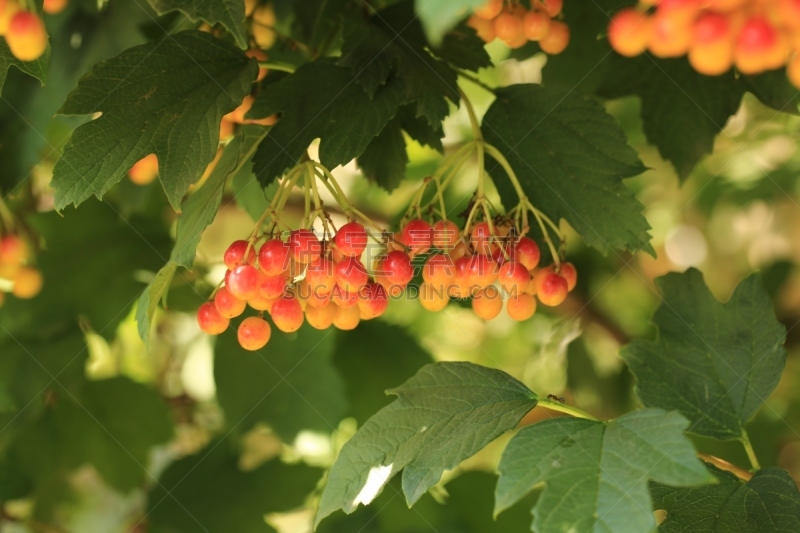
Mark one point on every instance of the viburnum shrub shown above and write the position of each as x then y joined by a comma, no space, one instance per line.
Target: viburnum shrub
228,228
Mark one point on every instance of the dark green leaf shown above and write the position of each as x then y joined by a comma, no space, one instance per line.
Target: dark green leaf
369,371
570,157
443,415
319,19
768,503
166,98
150,298
440,16
209,493
37,69
311,109
391,43
291,384
595,474
229,13
774,89
682,110
715,363
463,48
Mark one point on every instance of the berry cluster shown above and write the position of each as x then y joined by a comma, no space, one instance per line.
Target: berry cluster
515,25
24,30
326,283
25,280
752,35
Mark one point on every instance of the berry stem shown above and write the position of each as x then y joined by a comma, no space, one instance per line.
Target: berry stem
6,216
277,65
469,77
564,408
338,194
748,447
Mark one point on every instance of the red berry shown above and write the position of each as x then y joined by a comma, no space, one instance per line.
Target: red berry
342,298
273,258
312,295
521,307
417,236
26,36
487,303
445,234
210,321
396,268
439,270
351,239
12,250
350,274
287,313
227,304
513,277
482,271
304,246
462,281
253,333
320,275
481,238
551,288
526,251
271,287
569,273
243,282
234,255
372,301
760,47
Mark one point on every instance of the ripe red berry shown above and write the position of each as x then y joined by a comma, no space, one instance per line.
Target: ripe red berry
253,333
243,282
351,239
273,258
481,238
342,298
304,246
445,234
760,47
439,270
551,288
513,277
210,321
629,32
396,268
350,274
462,280
669,36
526,251
13,250
569,273
321,317
417,236
287,313
711,52
320,275
26,36
482,271
521,307
234,255
313,296
487,303
227,304
347,318
535,25
271,287
372,301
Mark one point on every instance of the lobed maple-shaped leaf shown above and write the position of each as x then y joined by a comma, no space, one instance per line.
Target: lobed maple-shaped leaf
594,473
320,100
444,414
229,13
682,110
165,97
571,158
440,16
37,68
768,503
391,43
715,363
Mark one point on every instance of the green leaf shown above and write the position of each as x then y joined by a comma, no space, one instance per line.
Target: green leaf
774,89
368,372
463,48
291,384
682,110
37,69
229,13
311,109
570,157
385,159
166,98
391,43
151,296
440,16
318,19
210,493
715,363
111,424
768,503
595,474
99,287
446,413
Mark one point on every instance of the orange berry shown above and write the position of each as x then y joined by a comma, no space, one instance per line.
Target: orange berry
226,130
253,333
551,288
372,301
513,277
8,8
521,307
569,273
551,7
439,270
629,32
488,303
27,283
508,27
210,321
445,234
145,170
484,28
263,24
287,313
227,304
711,52
670,36
556,40
13,250
760,47
260,56
53,7
347,318
261,303
433,297
26,36
489,10
535,25
793,70
321,317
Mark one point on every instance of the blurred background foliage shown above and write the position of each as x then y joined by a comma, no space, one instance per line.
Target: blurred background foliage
203,433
